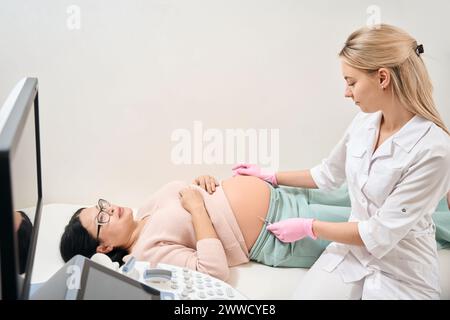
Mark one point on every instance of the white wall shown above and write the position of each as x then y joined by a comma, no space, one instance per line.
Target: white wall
114,91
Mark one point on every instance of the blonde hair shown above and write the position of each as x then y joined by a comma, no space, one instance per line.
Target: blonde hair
386,46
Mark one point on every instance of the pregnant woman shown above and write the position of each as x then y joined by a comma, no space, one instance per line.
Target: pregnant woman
209,227
205,226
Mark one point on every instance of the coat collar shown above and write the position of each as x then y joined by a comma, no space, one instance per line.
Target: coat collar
406,138
373,123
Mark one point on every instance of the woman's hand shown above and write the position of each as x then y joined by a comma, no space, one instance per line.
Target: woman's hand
191,199
206,182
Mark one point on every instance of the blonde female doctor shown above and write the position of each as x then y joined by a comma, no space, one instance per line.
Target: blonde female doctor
395,157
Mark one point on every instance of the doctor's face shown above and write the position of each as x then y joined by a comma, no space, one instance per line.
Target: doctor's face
362,87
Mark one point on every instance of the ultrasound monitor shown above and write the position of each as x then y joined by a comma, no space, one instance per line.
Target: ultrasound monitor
20,184
83,279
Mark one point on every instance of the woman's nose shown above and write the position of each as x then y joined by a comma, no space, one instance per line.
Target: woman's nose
111,210
348,93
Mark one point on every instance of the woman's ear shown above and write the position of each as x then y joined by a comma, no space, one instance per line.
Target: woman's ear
384,77
104,249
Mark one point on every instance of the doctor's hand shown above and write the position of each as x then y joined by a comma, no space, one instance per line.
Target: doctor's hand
291,230
245,169
206,182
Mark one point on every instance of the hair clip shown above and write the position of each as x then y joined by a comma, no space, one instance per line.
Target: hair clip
419,49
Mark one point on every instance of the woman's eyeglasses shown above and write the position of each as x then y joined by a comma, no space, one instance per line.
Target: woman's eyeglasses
103,215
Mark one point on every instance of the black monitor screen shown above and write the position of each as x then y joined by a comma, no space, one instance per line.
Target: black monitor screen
101,283
21,191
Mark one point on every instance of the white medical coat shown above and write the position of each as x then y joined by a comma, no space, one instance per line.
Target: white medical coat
393,193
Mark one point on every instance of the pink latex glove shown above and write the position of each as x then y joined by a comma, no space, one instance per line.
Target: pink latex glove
245,169
291,230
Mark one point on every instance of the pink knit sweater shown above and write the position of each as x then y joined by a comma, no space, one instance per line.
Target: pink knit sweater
169,237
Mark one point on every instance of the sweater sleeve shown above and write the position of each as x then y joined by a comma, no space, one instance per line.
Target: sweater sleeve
209,257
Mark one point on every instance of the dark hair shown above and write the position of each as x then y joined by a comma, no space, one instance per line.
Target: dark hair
77,240
24,240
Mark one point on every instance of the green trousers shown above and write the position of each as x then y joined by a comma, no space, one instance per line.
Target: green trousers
332,206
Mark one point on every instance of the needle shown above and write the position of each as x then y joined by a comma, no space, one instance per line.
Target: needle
263,220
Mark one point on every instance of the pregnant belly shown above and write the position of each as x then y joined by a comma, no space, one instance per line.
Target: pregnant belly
249,199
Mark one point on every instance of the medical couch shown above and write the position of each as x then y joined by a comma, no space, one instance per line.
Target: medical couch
254,280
